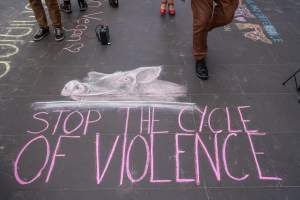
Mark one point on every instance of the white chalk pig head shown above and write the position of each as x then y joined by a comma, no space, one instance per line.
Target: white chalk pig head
121,85
73,87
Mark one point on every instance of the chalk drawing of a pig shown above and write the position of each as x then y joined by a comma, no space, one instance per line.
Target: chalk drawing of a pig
140,84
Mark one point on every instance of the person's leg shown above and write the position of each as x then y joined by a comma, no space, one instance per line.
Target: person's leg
41,19
171,7
82,5
223,13
202,12
163,7
67,1
66,6
39,12
54,13
55,18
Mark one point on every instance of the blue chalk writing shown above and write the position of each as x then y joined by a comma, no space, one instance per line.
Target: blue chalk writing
266,23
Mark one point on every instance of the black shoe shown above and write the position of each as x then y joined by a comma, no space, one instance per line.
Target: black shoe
59,34
66,7
201,69
114,3
82,5
41,33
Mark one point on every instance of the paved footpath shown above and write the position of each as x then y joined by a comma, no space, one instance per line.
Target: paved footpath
79,120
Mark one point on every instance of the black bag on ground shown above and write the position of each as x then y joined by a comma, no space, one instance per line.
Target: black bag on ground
102,32
114,3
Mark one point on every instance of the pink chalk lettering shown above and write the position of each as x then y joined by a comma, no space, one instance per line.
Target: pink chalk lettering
46,126
244,121
124,145
177,158
209,121
100,176
76,35
202,115
94,3
55,154
214,164
152,179
74,47
180,121
145,120
66,131
81,27
260,175
58,119
39,173
89,121
196,160
225,160
153,120
83,20
91,16
129,175
230,129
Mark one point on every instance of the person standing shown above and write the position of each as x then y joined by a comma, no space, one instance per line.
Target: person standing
207,15
41,18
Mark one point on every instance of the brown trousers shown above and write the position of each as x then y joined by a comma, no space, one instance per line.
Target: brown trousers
40,15
206,17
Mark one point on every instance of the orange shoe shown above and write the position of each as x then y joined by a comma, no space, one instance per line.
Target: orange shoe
163,8
171,9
